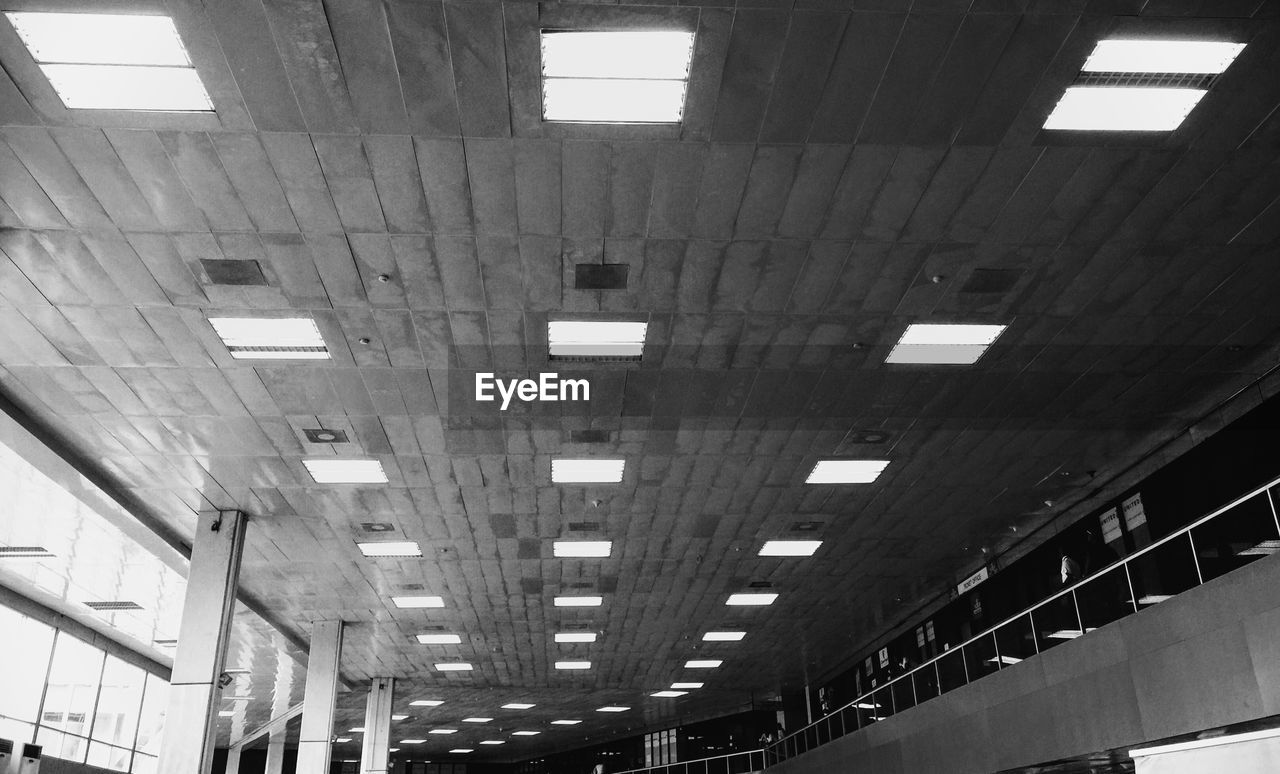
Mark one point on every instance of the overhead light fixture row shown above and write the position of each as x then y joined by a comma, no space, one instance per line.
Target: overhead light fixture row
338,471
390,548
846,471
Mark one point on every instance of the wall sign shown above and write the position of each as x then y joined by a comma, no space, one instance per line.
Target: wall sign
972,580
1134,515
1110,525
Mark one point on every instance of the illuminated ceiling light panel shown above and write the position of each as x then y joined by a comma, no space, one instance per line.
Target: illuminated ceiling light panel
575,636
426,703
582,549
573,665
1205,57
518,705
494,741
723,636
439,639
525,733
579,601
587,471
271,338
565,722
1154,599
390,548
443,731
867,705
685,686
1114,109
113,61
476,720
703,663
1265,548
668,694
226,713
613,708
790,547
846,471
416,602
459,666
412,741
1006,660
595,339
945,343
342,739
751,599
327,471
461,750
399,717
356,730
615,77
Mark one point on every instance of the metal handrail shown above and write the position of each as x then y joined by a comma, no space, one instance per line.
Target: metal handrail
1124,561
678,764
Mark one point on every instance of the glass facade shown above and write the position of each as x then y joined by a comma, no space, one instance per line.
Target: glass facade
75,700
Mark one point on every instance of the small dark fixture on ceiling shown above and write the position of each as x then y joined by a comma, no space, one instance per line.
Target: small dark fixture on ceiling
222,271
600,276
991,281
582,585
107,606
588,436
760,585
584,526
863,437
377,526
325,435
410,587
807,526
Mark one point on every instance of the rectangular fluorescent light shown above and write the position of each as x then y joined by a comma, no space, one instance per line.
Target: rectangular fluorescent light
226,713
565,722
595,339
525,733
455,666
399,717
613,708
1205,57
271,338
572,549
518,705
751,599
668,694
113,87
411,741
461,750
685,686
1154,599
439,639
1065,634
1265,548
1122,109
329,471
867,705
342,739
723,636
846,471
443,731
476,720
494,741
416,602
1006,660
390,548
573,665
579,601
789,547
356,730
575,636
616,76
426,703
703,663
944,344
587,471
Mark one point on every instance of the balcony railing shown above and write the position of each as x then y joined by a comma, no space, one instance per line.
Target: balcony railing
733,763
1245,530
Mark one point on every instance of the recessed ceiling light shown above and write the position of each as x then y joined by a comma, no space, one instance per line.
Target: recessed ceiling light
747,599
723,636
328,471
263,338
588,339
426,703
579,601
439,639
565,722
622,76
1207,57
414,602
393,749
342,739
703,663
476,720
790,547
944,343
390,548
443,731
685,686
1110,108
356,730
113,61
573,665
569,549
613,708
1154,599
517,705
399,717
575,636
226,713
587,471
461,750
525,733
668,694
494,741
1006,660
456,666
846,471
412,741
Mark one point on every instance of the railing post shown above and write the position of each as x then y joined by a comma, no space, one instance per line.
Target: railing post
1076,604
1274,516
1133,596
1195,559
1035,633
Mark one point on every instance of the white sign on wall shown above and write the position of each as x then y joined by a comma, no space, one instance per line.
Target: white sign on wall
1134,515
1110,525
972,580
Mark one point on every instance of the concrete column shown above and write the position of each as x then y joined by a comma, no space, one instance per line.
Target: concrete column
377,726
275,752
318,701
233,761
191,720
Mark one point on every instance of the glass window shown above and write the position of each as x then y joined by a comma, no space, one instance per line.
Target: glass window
151,726
59,745
116,718
16,731
24,659
144,764
108,757
1242,535
73,686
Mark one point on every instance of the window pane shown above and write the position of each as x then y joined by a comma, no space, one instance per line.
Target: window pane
107,757
24,657
73,685
116,718
144,764
153,707
1242,535
16,731
65,746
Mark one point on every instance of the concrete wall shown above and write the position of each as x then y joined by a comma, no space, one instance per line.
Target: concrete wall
1206,658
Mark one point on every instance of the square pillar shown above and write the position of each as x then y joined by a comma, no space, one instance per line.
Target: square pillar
377,726
320,697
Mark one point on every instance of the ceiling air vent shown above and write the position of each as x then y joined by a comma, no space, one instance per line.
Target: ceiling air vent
325,435
584,526
23,552
221,271
864,437
111,606
431,628
983,281
377,526
410,587
582,585
165,643
807,526
600,276
1147,80
575,626
760,585
588,436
